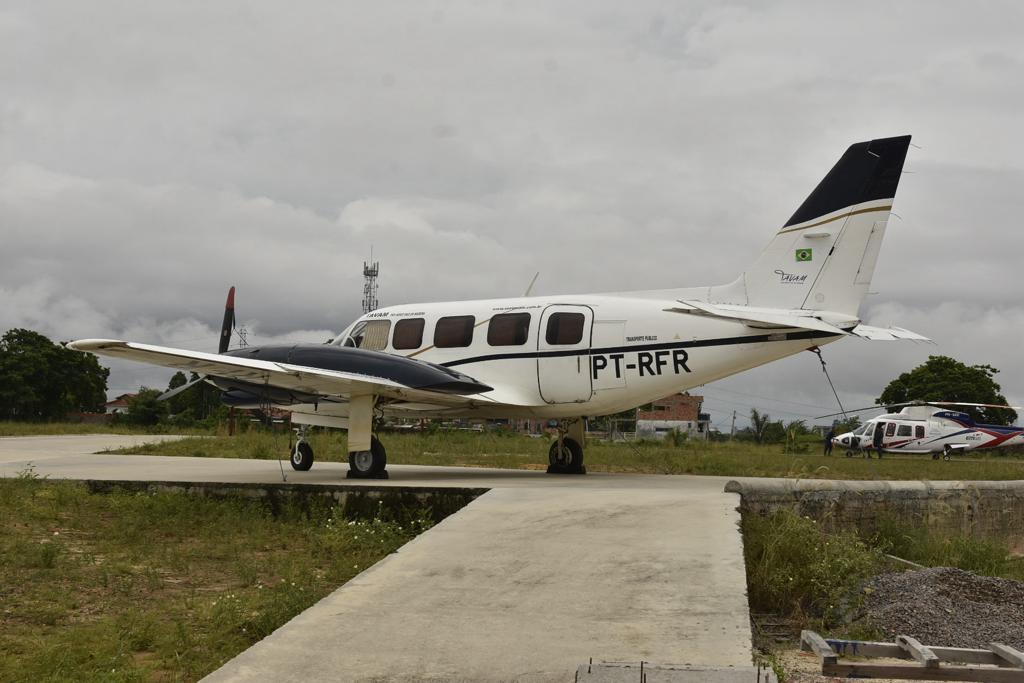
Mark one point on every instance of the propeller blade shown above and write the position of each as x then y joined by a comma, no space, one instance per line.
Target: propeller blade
229,322
177,390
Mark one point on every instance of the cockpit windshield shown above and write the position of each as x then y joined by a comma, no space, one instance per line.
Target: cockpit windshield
366,334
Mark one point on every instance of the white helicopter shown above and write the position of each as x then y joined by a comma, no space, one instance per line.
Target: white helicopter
928,427
565,357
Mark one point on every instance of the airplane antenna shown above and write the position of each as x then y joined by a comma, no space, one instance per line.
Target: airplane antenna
532,282
370,272
817,350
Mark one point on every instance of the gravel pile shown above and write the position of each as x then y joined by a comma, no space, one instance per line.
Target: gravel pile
946,606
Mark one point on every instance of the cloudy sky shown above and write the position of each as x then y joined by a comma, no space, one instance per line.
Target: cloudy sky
151,155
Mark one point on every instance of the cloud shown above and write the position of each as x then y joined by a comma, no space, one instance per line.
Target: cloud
152,156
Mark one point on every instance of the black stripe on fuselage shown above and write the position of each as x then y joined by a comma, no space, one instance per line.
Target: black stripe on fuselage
693,344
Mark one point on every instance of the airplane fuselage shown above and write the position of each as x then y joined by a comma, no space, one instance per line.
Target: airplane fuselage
565,356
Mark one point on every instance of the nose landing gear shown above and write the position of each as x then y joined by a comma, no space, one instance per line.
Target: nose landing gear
302,452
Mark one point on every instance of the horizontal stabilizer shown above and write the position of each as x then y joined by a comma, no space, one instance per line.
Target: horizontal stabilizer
778,318
886,333
762,317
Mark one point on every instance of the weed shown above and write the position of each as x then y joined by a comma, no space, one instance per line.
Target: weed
795,568
917,544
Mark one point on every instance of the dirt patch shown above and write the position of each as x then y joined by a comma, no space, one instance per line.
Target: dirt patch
946,606
938,606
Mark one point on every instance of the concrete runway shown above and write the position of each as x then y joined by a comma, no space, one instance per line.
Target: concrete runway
527,582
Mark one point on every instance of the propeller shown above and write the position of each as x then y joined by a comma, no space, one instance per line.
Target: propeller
225,341
925,403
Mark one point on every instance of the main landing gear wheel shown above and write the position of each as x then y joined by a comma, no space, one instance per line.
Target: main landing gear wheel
566,460
302,456
849,454
947,453
369,464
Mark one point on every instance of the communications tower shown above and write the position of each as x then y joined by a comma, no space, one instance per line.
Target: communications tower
370,272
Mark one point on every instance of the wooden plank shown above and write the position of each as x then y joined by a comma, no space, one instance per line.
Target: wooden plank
809,640
915,672
918,651
866,648
966,655
1007,653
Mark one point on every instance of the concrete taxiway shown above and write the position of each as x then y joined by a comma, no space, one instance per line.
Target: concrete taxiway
530,580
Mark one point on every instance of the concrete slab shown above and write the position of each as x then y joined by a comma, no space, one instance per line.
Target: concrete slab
530,580
524,584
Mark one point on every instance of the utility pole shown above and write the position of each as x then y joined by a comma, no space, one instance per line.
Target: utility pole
732,430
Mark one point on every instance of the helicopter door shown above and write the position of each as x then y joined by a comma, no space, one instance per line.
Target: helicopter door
877,437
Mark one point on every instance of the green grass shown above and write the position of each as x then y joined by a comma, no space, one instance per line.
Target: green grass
60,428
499,449
163,587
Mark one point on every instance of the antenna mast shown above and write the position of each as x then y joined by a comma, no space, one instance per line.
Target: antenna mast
370,272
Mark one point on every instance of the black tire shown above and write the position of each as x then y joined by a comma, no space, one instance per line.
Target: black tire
368,464
302,456
849,454
946,457
568,460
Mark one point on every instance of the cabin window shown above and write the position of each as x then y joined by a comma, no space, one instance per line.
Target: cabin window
408,334
454,331
904,430
919,432
890,429
565,328
508,329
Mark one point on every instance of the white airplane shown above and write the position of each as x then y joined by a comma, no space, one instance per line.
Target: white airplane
928,427
566,357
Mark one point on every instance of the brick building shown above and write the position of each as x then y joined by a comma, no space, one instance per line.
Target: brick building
678,411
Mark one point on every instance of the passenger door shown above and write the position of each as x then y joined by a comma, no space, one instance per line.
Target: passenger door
563,354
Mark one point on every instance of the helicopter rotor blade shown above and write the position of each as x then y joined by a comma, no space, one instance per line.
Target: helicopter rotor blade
926,403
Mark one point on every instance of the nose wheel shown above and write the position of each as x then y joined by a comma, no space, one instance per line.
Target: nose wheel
302,456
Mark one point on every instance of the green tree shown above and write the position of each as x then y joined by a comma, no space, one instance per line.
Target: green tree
145,409
759,424
847,425
795,430
943,378
40,380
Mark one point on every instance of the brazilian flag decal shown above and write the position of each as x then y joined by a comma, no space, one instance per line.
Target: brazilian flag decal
803,254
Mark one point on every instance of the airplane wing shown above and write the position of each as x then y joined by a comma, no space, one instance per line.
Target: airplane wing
798,319
311,369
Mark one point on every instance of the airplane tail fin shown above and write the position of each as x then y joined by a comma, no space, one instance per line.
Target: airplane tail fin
824,257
